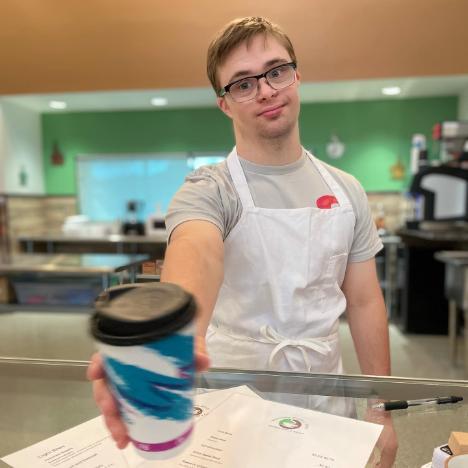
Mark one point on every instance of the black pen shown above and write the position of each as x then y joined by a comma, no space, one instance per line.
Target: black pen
403,404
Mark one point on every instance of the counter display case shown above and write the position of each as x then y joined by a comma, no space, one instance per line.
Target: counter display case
42,398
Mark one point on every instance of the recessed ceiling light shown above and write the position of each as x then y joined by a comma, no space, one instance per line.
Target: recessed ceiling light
159,101
58,104
391,90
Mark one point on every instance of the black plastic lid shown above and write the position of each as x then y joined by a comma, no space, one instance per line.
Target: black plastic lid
134,314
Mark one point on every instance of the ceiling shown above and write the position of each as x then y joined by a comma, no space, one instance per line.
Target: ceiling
204,97
52,46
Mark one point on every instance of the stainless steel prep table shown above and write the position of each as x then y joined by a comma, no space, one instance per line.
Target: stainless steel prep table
103,266
42,398
154,245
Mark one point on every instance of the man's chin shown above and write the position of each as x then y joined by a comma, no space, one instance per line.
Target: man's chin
276,131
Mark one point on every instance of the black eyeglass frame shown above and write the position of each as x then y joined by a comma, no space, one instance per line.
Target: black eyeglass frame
223,91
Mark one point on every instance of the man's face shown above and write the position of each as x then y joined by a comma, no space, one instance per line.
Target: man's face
272,113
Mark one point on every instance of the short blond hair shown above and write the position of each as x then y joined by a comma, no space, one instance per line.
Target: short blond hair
236,32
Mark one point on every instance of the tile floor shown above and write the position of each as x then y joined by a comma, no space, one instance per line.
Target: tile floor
412,355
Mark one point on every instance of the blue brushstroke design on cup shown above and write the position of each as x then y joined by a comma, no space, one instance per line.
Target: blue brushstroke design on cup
157,395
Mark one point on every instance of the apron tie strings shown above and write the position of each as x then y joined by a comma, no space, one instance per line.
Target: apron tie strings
314,344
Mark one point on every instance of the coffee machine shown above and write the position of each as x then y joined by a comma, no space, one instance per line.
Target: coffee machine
440,192
444,193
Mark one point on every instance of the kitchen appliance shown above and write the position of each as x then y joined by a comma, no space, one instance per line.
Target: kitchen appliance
155,223
133,226
442,192
452,137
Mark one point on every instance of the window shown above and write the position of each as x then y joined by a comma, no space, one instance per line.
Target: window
107,182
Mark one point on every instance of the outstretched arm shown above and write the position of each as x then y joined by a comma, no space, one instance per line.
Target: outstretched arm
194,261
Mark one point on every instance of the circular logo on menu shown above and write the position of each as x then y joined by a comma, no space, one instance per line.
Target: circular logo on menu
290,423
197,411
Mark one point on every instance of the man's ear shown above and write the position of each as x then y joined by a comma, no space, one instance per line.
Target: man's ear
224,106
298,77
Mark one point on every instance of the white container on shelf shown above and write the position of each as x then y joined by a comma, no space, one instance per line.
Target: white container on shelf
81,226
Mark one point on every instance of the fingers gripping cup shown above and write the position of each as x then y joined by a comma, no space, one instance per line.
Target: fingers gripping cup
144,332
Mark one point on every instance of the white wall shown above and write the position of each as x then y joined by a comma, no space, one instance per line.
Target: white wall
20,150
463,106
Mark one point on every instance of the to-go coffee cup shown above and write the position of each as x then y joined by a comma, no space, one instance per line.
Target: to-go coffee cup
144,332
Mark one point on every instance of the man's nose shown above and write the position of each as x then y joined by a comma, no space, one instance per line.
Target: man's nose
265,90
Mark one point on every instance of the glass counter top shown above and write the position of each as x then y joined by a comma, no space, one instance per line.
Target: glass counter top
40,398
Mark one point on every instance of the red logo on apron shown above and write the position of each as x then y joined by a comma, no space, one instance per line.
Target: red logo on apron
325,202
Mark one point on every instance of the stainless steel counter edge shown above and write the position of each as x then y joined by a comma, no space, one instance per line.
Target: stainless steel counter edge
162,237
356,386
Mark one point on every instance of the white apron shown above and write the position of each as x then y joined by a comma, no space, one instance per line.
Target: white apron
280,300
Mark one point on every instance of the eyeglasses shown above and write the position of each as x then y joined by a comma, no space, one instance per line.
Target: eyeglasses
246,89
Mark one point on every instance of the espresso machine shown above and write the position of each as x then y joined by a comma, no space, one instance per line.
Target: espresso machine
442,195
440,192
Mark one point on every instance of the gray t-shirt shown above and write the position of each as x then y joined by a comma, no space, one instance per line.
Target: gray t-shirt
209,194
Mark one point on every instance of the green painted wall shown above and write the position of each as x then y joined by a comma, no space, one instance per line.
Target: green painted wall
375,133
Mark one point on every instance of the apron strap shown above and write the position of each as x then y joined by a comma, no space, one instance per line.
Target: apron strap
269,335
240,181
318,345
335,187
238,177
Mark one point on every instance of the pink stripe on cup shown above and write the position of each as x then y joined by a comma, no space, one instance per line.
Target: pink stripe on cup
163,446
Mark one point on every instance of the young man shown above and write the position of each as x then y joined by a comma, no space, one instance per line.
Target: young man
274,244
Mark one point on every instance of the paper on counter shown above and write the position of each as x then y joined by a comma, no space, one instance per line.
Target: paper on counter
235,429
254,433
88,445
204,404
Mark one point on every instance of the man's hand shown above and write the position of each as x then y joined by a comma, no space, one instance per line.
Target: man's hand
202,360
106,401
388,442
